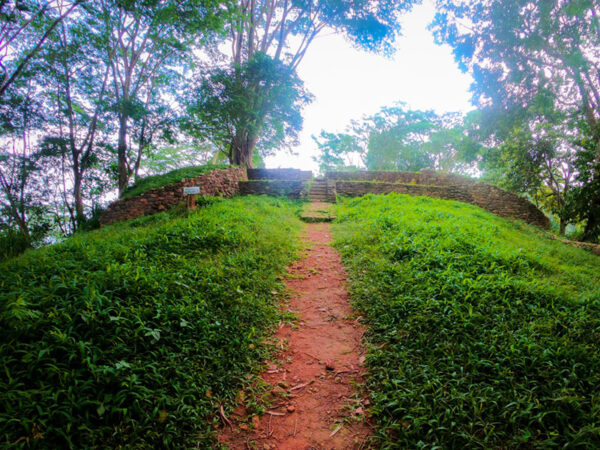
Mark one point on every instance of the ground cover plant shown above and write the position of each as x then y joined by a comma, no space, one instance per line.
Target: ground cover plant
132,335
175,176
483,333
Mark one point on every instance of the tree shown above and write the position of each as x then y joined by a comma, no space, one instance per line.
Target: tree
339,151
517,48
538,160
26,25
145,41
285,29
76,105
21,193
258,102
397,138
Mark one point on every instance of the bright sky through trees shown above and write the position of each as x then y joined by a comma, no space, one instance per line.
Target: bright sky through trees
348,83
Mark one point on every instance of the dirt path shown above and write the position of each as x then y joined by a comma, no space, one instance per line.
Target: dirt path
316,404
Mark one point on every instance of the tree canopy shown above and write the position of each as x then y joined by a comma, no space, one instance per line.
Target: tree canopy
398,138
519,51
285,29
95,93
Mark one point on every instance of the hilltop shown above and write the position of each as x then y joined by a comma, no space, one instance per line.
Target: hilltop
481,331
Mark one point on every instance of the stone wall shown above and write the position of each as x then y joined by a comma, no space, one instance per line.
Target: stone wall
280,174
295,189
425,177
219,182
491,198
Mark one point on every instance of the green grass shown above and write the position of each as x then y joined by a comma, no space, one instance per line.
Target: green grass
131,336
175,176
483,333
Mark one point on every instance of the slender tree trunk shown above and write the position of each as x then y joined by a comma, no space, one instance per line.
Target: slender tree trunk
122,154
77,197
22,224
592,227
563,226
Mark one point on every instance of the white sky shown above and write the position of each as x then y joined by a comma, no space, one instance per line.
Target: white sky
348,83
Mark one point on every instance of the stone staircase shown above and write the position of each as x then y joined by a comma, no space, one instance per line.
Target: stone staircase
292,183
318,190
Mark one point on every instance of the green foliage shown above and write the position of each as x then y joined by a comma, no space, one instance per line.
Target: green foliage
397,138
537,57
175,176
257,103
131,336
483,333
13,243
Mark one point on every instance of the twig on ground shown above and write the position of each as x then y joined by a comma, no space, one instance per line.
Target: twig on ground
224,418
338,428
300,386
314,357
346,371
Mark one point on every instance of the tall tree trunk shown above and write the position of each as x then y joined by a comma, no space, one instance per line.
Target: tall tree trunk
242,149
77,197
592,227
122,154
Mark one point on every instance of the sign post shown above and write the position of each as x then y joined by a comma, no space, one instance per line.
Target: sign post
190,193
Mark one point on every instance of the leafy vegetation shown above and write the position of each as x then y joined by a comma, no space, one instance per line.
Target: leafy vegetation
482,332
535,72
13,243
175,176
225,110
398,138
131,336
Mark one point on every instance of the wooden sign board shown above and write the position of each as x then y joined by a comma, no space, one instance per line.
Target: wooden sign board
191,190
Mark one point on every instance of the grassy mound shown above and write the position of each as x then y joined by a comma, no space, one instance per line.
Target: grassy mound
131,336
482,333
175,176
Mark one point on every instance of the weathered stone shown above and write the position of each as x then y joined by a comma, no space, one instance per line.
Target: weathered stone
491,198
219,182
278,188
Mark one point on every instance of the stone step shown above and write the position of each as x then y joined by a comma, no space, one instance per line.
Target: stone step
317,212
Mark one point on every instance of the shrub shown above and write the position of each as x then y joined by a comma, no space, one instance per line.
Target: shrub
13,243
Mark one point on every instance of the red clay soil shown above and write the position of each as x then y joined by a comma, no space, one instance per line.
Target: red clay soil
316,404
